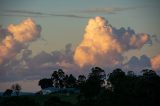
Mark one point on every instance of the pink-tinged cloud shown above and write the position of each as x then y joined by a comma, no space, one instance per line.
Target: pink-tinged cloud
25,31
18,38
155,61
103,45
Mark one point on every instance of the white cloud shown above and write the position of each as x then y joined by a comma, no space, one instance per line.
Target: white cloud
18,39
104,45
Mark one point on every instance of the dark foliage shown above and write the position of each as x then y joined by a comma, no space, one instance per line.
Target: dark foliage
16,88
8,92
93,85
45,83
55,101
81,81
62,80
18,101
123,90
71,81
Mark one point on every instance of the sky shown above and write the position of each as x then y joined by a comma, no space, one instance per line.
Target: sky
40,36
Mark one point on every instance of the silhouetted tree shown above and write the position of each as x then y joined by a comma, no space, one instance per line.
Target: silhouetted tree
149,73
81,78
16,88
45,83
132,90
71,82
55,79
147,88
58,78
99,73
8,92
65,80
94,83
81,81
115,77
61,80
61,76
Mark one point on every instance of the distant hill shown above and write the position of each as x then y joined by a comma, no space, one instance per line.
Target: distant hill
21,94
1,93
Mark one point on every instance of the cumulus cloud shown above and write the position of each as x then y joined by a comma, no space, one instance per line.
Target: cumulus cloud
26,31
156,62
156,38
3,33
50,61
103,44
18,38
138,64
30,67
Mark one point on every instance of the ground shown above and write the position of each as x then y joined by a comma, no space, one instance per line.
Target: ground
72,98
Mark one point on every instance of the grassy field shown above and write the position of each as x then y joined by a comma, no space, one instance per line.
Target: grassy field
40,99
72,98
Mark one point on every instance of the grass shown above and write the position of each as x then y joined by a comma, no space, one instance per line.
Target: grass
72,98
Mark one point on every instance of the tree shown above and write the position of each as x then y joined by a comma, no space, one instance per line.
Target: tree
45,83
65,80
132,90
99,73
149,73
116,78
81,81
61,76
147,88
58,78
8,92
93,84
16,88
71,82
81,78
55,79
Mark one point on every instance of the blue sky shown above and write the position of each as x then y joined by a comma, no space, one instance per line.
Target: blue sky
64,22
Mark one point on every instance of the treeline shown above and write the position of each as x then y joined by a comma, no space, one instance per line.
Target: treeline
122,89
14,88
117,89
61,80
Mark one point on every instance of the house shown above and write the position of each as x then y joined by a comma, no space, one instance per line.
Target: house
49,90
